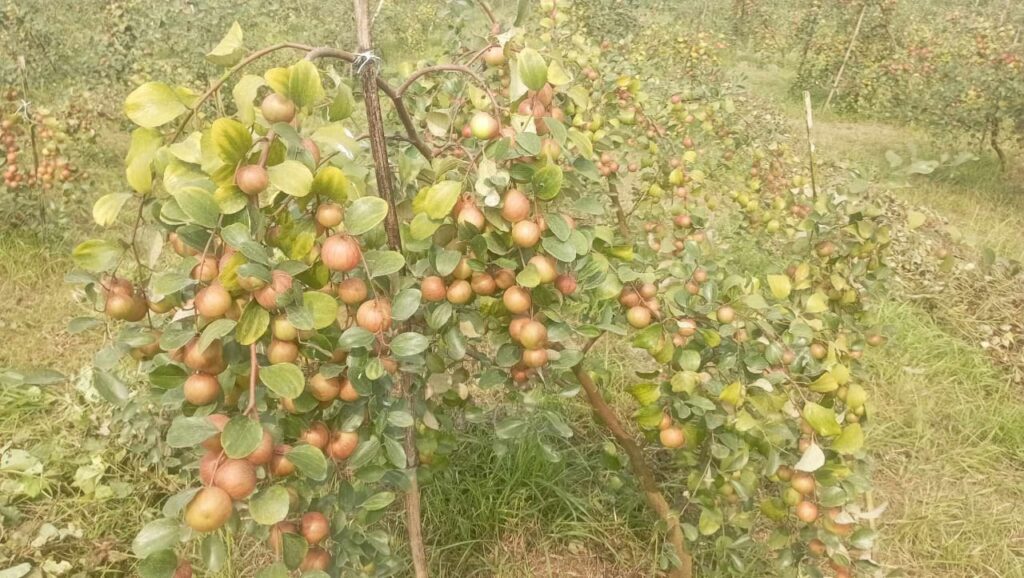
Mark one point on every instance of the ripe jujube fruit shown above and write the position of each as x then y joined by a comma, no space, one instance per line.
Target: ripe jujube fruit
263,452
209,360
316,435
236,477
672,437
353,291
483,125
316,559
504,278
516,206
515,327
535,357
483,284
280,465
343,444
206,270
459,292
213,301
184,570
517,300
803,483
566,284
725,314
201,389
525,234
125,307
280,283
282,329
807,511
252,179
329,215
433,289
209,509
374,315
462,270
324,388
546,268
494,56
533,335
348,391
282,351
315,527
469,214
277,108
341,253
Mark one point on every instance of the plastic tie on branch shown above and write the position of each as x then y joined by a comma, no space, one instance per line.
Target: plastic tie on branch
363,59
25,110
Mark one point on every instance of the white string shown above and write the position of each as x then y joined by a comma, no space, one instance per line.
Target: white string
364,58
24,109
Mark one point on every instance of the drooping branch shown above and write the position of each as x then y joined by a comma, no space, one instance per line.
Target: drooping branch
227,75
645,477
385,188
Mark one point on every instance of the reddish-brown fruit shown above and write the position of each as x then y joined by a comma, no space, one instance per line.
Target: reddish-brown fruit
324,388
459,292
341,253
209,509
263,453
201,389
494,56
535,357
471,215
803,483
483,126
313,149
665,423
252,179
515,327
504,278
433,289
280,465
566,284
316,559
206,270
125,307
816,547
533,335
209,360
648,290
184,570
374,315
353,291
282,351
818,351
330,215
317,435
348,391
212,443
807,511
315,527
236,477
672,437
280,282
213,301
483,284
277,108
343,444
517,300
525,234
725,314
516,206
463,270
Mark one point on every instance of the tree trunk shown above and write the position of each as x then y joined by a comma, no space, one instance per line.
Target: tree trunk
385,187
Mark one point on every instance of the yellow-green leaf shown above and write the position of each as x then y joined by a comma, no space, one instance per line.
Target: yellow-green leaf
139,160
230,49
850,441
780,286
230,139
533,71
822,419
292,177
304,86
153,104
244,93
817,303
107,207
332,183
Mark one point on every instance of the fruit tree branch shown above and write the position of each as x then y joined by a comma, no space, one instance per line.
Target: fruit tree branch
645,476
254,372
452,68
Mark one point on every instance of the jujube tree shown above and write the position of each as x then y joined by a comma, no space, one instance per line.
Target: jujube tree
329,308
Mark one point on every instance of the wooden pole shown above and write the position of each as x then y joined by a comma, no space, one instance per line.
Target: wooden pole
385,188
846,58
809,121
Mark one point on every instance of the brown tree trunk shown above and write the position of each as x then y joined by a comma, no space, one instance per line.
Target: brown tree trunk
385,187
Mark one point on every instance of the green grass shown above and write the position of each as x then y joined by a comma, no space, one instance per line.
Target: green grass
948,437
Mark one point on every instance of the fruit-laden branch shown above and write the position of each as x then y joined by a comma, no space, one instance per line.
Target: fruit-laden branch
396,100
385,187
452,68
655,499
227,75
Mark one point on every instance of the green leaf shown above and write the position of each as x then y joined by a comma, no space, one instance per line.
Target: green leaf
850,441
406,303
511,427
275,570
689,360
446,261
439,199
354,337
215,331
367,452
139,160
244,93
780,286
561,250
230,49
822,419
96,255
409,344
364,214
342,105
161,534
817,303
199,205
270,506
214,552
241,437
529,276
292,177
915,219
252,324
153,104
710,521
230,140
332,183
378,501
322,307
381,263
110,387
304,86
186,432
162,564
295,549
547,182
309,461
400,419
284,379
533,71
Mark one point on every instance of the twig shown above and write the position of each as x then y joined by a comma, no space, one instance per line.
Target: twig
254,372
